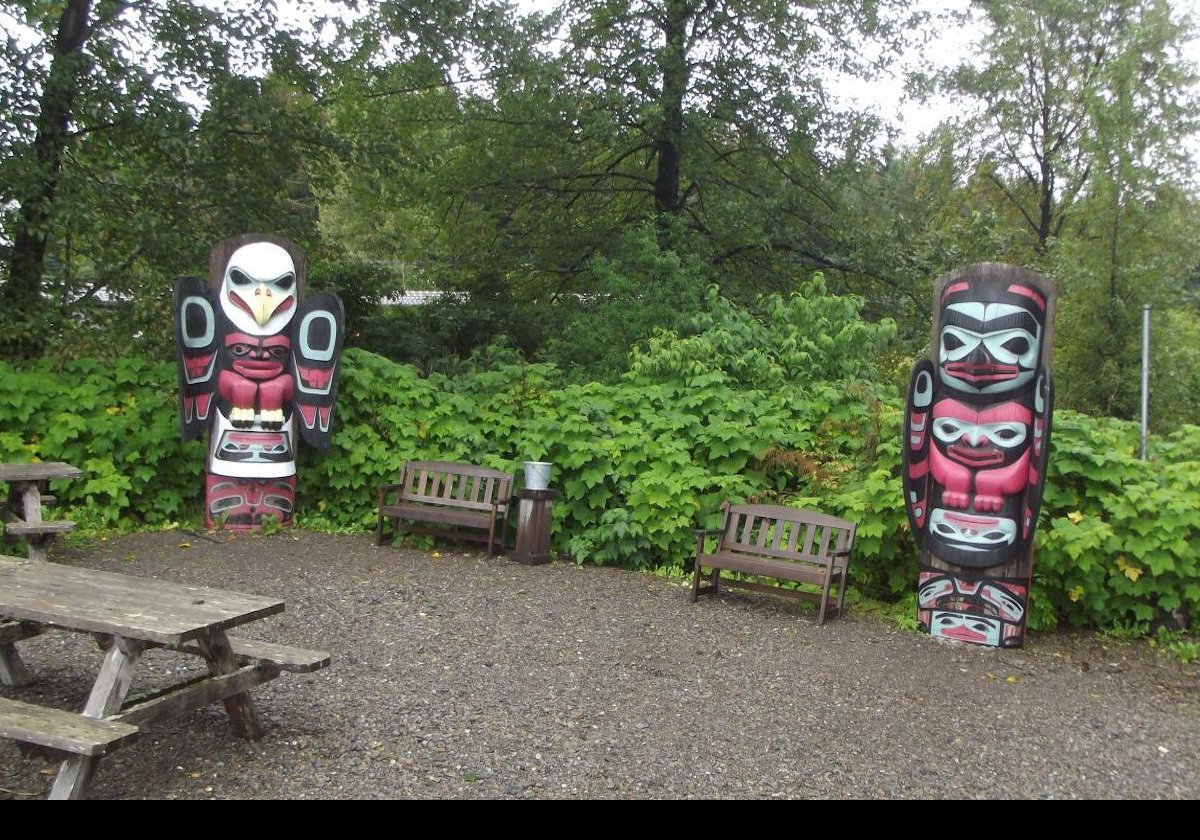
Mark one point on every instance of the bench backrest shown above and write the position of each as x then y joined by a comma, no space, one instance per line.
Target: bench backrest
785,532
455,485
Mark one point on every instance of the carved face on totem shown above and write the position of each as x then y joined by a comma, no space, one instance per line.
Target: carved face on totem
258,292
990,348
988,612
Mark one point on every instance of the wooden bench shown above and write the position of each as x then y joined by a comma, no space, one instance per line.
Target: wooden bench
60,731
465,496
778,542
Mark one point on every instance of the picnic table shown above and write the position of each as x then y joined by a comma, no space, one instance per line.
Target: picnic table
27,495
129,615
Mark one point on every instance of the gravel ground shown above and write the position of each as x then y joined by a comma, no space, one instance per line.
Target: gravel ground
458,676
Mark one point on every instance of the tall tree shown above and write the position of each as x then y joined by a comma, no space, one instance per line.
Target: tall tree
1081,125
85,75
700,86
1056,78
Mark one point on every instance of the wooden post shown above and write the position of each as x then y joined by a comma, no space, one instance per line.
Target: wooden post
534,517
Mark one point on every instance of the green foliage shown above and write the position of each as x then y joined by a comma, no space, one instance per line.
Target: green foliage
641,287
782,406
118,421
1177,643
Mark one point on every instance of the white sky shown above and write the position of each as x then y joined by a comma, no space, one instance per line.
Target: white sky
885,96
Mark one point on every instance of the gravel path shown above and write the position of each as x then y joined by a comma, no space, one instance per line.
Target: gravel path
459,676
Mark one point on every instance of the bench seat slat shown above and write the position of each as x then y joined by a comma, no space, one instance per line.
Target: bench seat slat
769,567
294,659
24,529
430,513
56,729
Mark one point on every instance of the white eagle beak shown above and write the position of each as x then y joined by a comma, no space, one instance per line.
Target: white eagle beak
263,303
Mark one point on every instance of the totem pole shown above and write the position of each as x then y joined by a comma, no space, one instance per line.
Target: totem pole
977,438
257,363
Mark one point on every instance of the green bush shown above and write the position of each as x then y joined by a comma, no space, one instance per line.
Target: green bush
781,406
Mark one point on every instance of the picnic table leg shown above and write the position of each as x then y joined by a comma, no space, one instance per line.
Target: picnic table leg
12,669
219,655
31,512
108,693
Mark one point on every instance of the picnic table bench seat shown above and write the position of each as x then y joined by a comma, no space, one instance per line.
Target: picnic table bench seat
284,657
785,543
62,731
471,498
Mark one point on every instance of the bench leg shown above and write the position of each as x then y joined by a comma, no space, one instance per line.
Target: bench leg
108,693
841,601
37,549
491,535
504,534
379,530
824,600
219,655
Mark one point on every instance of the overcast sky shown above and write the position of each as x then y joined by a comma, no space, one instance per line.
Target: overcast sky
886,96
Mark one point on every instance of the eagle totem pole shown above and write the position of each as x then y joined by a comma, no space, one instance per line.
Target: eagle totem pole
977,439
258,363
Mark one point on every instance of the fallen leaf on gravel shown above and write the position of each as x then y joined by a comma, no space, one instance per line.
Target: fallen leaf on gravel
435,554
185,545
1011,679
48,771
1163,749
991,677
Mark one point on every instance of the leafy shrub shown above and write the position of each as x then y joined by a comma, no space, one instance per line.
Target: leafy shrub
781,406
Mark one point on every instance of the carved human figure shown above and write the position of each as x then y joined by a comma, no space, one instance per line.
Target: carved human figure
257,364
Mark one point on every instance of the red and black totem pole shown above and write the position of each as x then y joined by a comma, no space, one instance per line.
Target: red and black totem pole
977,439
258,363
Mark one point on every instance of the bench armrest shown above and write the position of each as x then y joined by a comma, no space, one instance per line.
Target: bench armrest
388,488
841,552
701,535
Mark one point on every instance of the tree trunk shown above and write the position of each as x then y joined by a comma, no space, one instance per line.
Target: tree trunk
673,65
19,296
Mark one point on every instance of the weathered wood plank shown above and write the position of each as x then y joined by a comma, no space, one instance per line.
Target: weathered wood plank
294,659
45,471
286,657
203,691
26,529
141,608
60,730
